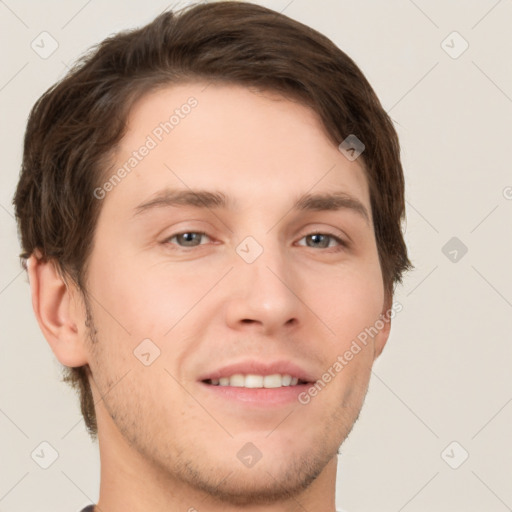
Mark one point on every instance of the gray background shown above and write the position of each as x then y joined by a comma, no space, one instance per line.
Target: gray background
445,374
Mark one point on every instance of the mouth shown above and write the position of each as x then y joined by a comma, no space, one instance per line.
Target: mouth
255,381
257,384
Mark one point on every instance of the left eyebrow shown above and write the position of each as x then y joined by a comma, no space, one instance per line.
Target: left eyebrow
332,201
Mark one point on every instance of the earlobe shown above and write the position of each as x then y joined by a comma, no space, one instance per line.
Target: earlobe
55,307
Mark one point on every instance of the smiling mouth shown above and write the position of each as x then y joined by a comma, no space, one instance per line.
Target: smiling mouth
253,381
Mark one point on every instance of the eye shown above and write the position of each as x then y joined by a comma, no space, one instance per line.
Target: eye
188,238
318,240
322,240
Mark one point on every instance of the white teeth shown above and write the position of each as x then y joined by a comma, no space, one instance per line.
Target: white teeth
256,381
236,380
272,381
252,381
287,379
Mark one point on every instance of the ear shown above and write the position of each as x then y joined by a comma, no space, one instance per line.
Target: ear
382,336
58,311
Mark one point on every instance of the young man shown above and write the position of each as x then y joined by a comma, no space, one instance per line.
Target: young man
210,209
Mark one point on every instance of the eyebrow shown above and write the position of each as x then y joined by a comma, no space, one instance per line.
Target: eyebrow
331,201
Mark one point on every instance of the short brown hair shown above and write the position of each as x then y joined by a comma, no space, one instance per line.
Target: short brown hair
74,128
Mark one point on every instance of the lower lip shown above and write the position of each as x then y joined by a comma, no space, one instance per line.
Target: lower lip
263,397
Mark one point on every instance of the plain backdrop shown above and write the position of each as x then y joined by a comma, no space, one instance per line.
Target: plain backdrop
435,431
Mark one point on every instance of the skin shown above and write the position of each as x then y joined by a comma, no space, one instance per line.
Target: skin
165,443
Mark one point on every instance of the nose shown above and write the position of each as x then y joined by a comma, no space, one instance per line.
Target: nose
264,295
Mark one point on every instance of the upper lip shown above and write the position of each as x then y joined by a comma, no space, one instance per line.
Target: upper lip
260,368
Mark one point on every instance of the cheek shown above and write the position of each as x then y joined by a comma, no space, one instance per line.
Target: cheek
348,301
351,304
143,299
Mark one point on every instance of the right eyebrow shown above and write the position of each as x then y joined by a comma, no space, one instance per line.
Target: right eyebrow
197,198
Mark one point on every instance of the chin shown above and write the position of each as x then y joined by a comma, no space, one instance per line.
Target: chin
268,481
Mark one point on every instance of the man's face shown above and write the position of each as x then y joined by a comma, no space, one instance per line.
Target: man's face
268,283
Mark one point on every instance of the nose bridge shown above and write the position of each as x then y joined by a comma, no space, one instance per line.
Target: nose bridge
264,260
263,279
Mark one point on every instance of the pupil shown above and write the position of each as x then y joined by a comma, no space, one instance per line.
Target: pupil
189,237
317,238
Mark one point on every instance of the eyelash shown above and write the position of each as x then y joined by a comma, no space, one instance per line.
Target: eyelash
342,243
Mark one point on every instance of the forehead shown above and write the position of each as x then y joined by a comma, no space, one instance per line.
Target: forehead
251,144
